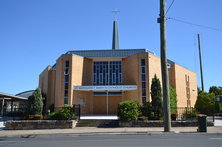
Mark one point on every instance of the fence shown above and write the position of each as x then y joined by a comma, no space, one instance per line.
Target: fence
189,113
179,113
15,114
74,111
23,113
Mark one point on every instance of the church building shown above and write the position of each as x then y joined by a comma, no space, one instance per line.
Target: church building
99,80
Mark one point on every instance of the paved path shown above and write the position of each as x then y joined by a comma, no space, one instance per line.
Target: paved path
218,121
2,127
112,117
93,131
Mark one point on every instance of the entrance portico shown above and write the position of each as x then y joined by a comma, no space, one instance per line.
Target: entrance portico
105,99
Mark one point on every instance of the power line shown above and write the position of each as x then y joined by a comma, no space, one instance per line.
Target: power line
193,24
169,7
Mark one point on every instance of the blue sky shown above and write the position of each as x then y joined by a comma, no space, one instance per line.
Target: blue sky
34,33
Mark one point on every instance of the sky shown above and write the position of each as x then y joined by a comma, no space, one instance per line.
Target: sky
35,33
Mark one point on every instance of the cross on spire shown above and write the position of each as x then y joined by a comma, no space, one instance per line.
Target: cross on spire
115,13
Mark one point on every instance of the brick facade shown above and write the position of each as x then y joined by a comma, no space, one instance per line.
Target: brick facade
81,74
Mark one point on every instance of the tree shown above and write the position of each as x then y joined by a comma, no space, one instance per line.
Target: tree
173,99
215,90
198,90
156,94
207,100
35,102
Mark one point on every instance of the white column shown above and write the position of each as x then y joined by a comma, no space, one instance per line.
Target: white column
107,109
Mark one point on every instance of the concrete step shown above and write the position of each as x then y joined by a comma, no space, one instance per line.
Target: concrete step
98,123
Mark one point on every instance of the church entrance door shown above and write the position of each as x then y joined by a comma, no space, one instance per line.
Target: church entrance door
113,102
99,105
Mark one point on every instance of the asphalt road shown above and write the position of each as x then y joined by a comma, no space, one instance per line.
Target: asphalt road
117,141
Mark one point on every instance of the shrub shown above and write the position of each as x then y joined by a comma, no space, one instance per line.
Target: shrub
173,99
129,110
54,116
143,118
63,114
51,108
190,113
35,117
145,109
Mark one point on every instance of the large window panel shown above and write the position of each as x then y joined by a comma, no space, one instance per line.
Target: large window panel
110,73
143,80
66,78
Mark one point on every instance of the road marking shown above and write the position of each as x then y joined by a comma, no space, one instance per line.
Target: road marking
215,138
12,141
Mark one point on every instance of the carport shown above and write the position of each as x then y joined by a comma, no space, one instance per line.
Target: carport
11,102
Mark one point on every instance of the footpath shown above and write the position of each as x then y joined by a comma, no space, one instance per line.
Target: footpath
94,131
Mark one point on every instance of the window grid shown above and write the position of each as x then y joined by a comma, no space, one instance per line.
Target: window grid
107,73
143,80
66,87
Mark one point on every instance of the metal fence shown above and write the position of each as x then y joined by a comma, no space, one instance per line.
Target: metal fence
189,113
177,114
23,113
15,114
74,111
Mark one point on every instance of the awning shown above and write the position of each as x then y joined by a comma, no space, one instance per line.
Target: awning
106,88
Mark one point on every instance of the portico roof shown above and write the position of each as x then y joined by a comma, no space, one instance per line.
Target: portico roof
102,88
12,97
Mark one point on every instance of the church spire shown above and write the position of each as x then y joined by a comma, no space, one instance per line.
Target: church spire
115,43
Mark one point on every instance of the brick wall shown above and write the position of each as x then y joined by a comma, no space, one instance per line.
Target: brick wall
87,72
43,80
40,124
88,100
180,85
50,99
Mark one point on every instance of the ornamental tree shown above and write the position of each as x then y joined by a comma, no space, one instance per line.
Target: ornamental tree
35,102
156,94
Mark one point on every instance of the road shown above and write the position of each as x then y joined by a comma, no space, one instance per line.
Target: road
117,141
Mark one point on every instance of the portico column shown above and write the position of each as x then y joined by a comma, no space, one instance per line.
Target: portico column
11,105
107,109
2,106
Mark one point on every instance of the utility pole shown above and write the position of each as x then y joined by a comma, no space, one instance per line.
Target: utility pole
165,78
200,64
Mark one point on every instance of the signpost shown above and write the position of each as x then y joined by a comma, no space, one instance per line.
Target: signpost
219,98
